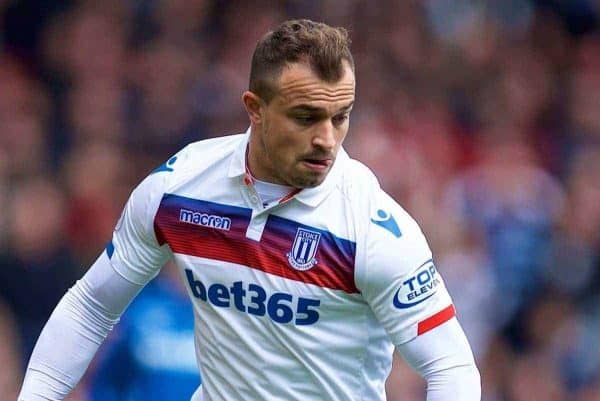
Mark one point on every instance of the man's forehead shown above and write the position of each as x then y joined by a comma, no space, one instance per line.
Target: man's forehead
299,84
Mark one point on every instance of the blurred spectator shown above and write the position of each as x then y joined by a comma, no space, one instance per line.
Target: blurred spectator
95,111
37,268
545,385
514,205
161,113
10,359
585,92
95,42
24,142
94,205
181,21
23,109
575,266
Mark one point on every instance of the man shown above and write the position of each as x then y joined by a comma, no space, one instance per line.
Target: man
302,272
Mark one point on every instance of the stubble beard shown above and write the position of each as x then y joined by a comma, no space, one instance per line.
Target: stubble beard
307,179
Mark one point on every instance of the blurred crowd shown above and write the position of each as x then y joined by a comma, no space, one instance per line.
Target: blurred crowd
481,117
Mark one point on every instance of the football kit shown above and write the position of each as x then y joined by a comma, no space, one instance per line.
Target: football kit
299,298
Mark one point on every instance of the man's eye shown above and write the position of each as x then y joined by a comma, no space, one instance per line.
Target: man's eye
340,119
305,120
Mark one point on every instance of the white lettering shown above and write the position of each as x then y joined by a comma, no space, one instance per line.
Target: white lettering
204,219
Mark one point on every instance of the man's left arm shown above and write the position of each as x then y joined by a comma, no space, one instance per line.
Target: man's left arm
398,278
444,359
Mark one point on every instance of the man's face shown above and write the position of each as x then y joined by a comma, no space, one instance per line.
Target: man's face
302,128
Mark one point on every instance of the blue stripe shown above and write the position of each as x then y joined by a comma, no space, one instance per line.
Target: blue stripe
110,249
176,202
284,228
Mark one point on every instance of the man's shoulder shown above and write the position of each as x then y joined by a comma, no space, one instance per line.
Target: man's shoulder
207,156
198,156
363,190
355,172
226,144
357,180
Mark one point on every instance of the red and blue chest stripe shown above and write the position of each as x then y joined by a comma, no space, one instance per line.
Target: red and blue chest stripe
335,256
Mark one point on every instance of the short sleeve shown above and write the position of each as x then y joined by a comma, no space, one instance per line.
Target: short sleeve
397,276
133,250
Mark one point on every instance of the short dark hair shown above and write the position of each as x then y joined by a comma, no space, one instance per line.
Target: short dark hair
321,46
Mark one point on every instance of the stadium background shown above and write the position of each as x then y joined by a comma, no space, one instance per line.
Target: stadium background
481,117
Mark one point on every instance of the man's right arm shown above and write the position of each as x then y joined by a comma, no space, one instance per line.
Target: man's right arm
75,330
88,311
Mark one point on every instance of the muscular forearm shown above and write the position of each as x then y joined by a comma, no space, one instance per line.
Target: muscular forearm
72,335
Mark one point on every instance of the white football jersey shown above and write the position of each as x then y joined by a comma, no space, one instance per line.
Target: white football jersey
300,300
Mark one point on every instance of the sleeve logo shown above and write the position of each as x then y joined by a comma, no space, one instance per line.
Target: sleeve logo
419,287
166,166
386,221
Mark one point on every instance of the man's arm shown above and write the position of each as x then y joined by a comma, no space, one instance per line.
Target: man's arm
89,310
77,327
398,278
444,358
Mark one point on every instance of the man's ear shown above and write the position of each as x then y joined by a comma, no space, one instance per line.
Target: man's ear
253,104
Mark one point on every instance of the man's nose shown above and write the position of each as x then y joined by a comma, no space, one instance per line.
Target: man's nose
325,136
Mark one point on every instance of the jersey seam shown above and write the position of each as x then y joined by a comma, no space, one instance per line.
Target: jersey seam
363,357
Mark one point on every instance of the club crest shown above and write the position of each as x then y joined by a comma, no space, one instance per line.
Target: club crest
304,249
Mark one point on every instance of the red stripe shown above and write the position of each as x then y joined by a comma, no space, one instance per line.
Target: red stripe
335,267
217,246
290,195
248,177
434,321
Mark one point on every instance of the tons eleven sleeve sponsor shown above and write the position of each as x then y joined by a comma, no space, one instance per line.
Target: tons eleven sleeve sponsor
417,288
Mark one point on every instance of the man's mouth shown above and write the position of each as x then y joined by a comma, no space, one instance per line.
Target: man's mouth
317,164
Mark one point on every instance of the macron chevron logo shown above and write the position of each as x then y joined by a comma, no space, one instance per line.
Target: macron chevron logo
167,166
386,221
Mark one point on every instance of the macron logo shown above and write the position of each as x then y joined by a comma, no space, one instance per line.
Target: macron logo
386,220
204,219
